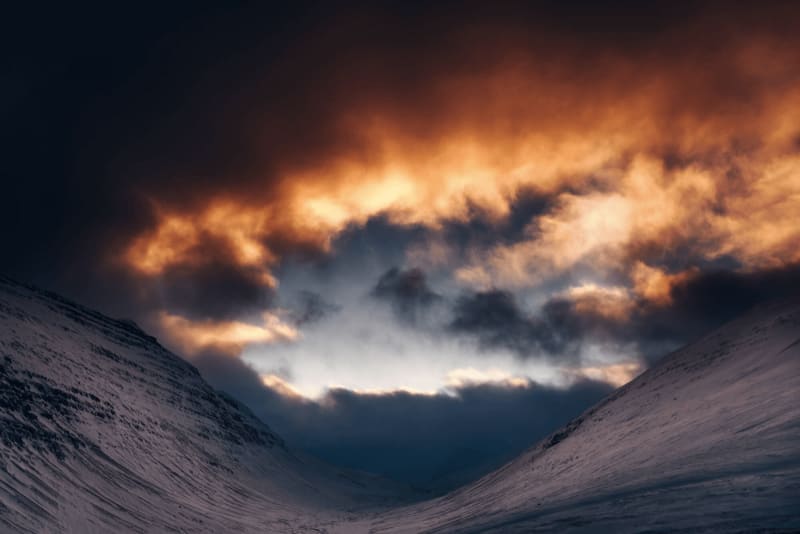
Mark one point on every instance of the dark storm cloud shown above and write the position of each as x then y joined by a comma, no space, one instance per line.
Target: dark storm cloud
698,304
434,441
109,108
478,232
407,291
110,114
495,320
311,308
217,289
704,302
440,440
90,87
361,251
726,294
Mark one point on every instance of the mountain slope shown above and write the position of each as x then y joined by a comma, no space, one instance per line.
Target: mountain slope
709,438
103,430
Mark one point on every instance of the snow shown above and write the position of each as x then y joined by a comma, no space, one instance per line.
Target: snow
709,438
103,430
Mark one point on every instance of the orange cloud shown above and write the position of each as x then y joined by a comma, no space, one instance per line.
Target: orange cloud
610,302
649,204
654,285
617,374
226,336
642,155
469,376
177,238
282,386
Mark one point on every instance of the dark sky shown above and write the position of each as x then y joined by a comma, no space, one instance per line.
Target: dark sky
413,237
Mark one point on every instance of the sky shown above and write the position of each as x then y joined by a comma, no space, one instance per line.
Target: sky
413,238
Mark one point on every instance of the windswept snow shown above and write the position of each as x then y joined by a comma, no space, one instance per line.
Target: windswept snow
103,430
708,439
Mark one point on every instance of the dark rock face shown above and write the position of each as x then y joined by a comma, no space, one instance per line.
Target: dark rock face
35,414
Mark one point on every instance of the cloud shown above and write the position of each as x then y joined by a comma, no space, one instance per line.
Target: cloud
488,136
283,149
690,305
706,300
496,321
312,308
622,169
617,374
434,440
216,289
652,208
229,336
654,313
407,291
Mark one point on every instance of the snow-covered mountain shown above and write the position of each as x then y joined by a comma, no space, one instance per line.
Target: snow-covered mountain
706,440
103,430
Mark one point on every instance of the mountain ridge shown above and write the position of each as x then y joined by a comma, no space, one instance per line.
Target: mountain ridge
102,429
686,413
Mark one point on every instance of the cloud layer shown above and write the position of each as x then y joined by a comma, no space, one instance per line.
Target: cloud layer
555,190
659,145
651,135
407,291
432,441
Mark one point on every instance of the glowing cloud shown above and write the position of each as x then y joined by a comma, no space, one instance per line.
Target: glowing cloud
615,374
469,376
652,162
225,336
